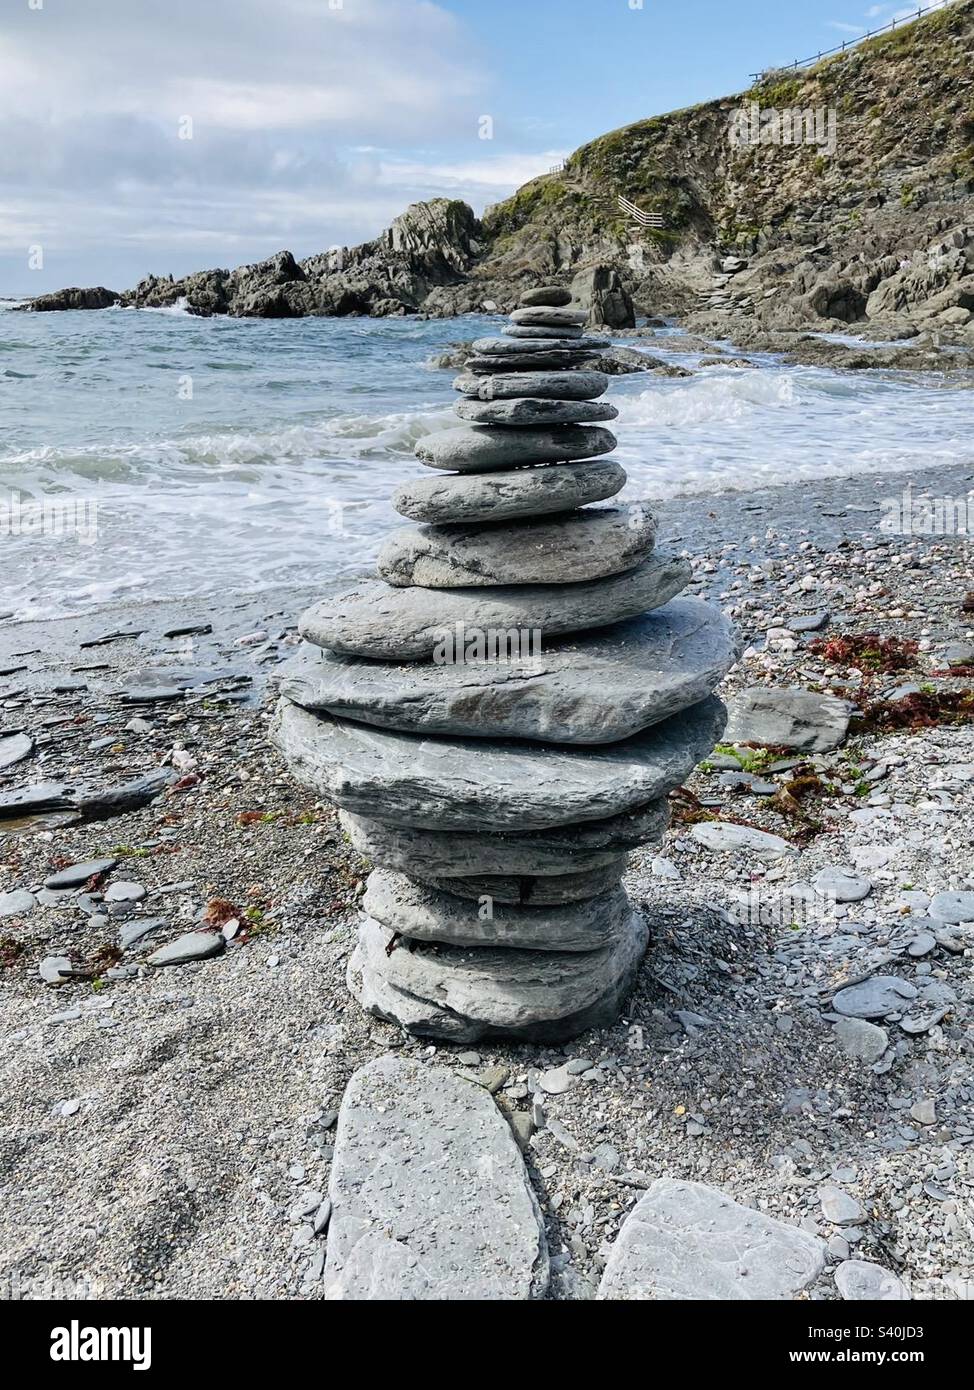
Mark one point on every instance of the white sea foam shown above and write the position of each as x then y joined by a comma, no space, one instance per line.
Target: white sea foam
280,464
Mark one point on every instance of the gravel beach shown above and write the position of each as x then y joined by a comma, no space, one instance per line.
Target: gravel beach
168,1128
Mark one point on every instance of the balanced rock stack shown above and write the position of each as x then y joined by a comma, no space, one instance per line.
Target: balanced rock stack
501,717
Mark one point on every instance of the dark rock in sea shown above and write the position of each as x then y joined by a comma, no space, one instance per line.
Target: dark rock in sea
600,289
96,298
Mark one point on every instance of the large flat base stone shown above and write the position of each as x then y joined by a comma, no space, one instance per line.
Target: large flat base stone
683,1240
385,623
431,1199
533,996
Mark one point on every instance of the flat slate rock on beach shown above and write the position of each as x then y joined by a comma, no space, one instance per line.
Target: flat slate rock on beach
593,688
14,748
379,621
477,448
16,902
534,411
466,497
803,720
577,385
876,997
686,1241
430,1196
197,945
468,994
448,783
424,914
38,797
570,549
571,849
77,875
861,1281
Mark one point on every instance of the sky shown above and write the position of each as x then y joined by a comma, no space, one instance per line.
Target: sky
176,135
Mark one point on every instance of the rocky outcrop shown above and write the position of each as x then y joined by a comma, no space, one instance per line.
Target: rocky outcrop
873,227
74,298
600,290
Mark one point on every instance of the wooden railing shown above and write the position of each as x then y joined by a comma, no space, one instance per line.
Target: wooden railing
851,43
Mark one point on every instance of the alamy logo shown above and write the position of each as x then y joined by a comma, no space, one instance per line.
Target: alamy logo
54,517
461,644
756,125
907,515
77,1343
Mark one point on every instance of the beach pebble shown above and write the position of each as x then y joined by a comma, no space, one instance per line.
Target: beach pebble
556,1081
77,875
725,837
54,970
832,882
953,907
196,945
874,998
862,1281
125,892
16,903
14,748
838,1206
866,1042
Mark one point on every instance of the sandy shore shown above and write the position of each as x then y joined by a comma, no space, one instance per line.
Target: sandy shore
165,1128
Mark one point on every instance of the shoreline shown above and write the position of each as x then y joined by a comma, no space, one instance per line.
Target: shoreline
815,510
184,1114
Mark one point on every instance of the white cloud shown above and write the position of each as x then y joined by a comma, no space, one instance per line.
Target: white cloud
310,127
484,175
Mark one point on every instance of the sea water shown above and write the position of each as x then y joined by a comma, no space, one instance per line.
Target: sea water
155,454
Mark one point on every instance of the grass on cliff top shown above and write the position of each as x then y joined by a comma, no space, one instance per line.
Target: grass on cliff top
540,195
901,42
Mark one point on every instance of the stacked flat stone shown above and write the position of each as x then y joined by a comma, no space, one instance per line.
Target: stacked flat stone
498,794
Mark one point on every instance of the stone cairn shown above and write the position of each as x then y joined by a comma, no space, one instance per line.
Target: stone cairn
501,717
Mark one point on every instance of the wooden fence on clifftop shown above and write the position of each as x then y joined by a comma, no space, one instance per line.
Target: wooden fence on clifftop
849,44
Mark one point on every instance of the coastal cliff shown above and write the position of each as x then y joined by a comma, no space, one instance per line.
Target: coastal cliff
868,220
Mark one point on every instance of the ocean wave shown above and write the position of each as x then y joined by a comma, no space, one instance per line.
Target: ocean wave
733,395
178,310
343,436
